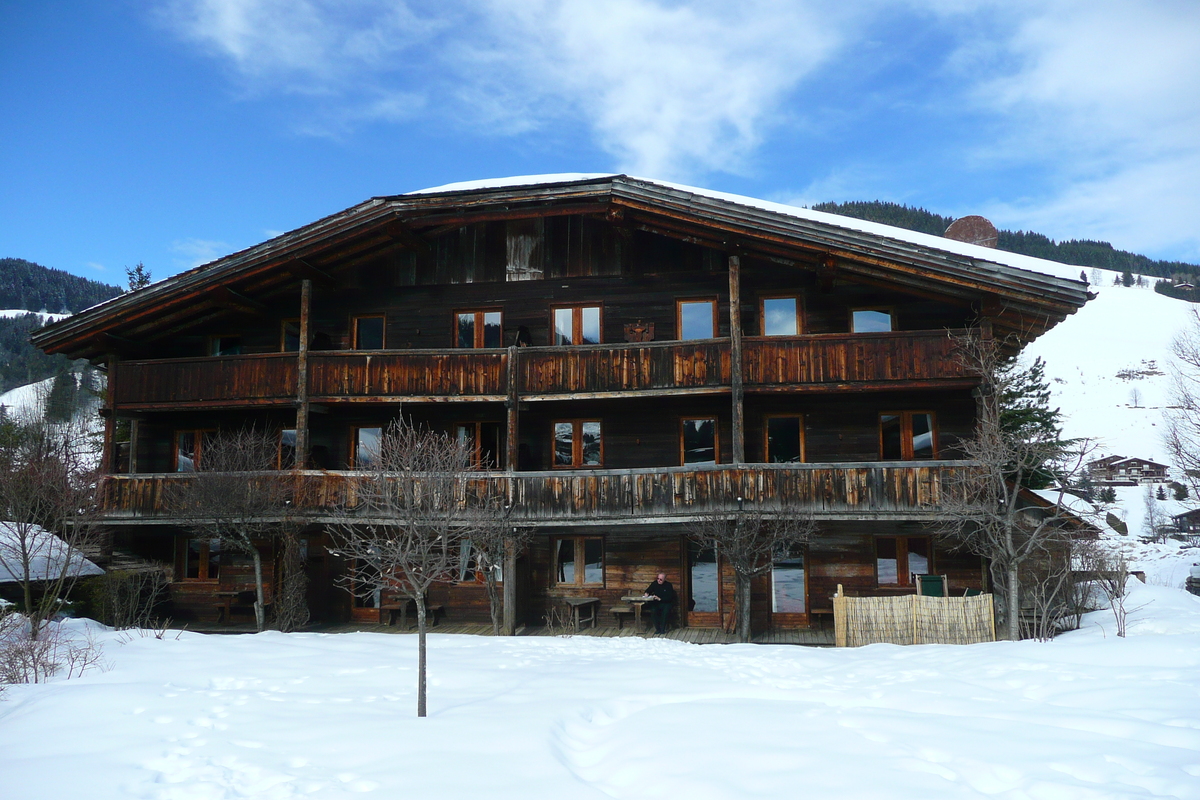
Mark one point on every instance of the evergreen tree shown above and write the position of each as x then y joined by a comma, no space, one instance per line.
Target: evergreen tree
1108,495
138,277
1179,491
1161,494
60,402
1127,278
1025,411
1083,276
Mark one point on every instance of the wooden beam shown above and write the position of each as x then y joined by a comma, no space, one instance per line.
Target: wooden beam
224,297
399,231
302,269
460,217
509,575
512,407
302,408
735,360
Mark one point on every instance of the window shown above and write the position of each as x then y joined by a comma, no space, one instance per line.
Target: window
202,560
287,449
578,561
477,329
907,436
870,320
577,325
365,585
364,452
578,443
469,570
368,333
189,446
705,578
787,584
698,441
224,345
784,439
781,316
289,336
485,441
697,319
897,558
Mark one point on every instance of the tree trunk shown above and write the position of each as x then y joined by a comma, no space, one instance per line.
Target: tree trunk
1014,605
489,580
33,614
259,604
510,588
742,605
419,599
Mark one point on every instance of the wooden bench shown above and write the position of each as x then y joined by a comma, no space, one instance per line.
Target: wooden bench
388,611
621,612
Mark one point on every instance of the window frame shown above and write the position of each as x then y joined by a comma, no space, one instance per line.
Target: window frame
580,545
279,464
889,310
766,440
576,443
716,317
479,313
716,440
204,558
576,322
283,334
352,460
354,334
214,339
906,444
200,434
902,551
762,314
477,442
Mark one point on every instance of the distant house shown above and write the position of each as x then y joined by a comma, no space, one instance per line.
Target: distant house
1123,471
1188,522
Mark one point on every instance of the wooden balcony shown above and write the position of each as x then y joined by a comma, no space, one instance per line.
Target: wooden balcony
268,379
643,368
906,359
892,490
865,359
406,374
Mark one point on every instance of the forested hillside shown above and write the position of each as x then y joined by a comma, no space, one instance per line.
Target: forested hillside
1073,251
29,286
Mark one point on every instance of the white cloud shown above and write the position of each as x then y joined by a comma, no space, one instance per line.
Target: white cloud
195,252
96,266
666,88
1102,98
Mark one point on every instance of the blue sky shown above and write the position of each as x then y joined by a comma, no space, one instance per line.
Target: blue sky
175,132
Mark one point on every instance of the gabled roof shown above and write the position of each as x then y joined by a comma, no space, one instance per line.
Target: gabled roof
1135,460
1023,302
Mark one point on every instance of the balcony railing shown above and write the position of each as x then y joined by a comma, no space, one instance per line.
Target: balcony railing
880,360
862,490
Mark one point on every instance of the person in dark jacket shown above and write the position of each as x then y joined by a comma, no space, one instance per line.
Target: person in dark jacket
660,609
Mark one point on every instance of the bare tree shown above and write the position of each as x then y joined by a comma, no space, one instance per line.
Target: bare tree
48,474
1108,570
409,518
1135,397
749,542
491,543
987,510
237,496
1182,435
1154,520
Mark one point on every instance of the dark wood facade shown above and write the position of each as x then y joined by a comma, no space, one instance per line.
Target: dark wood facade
639,309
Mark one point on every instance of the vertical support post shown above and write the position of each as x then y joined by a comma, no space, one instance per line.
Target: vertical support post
511,423
509,623
735,359
133,445
108,458
302,443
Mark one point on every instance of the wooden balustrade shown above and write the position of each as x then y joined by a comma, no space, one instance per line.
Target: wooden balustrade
216,381
601,369
907,358
826,490
343,375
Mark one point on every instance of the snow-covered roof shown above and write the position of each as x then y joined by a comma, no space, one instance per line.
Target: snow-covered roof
48,554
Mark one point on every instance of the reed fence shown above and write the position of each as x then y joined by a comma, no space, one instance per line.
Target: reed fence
912,619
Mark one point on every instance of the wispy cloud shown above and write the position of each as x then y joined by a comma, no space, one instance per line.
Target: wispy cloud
194,252
667,89
96,266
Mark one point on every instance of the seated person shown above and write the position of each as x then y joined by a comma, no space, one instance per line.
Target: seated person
660,608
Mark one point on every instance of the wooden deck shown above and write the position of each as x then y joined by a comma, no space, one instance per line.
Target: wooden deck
812,637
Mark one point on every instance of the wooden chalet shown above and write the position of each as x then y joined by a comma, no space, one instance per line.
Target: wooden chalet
624,354
1122,471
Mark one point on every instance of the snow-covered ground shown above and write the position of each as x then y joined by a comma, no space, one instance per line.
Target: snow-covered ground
280,716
